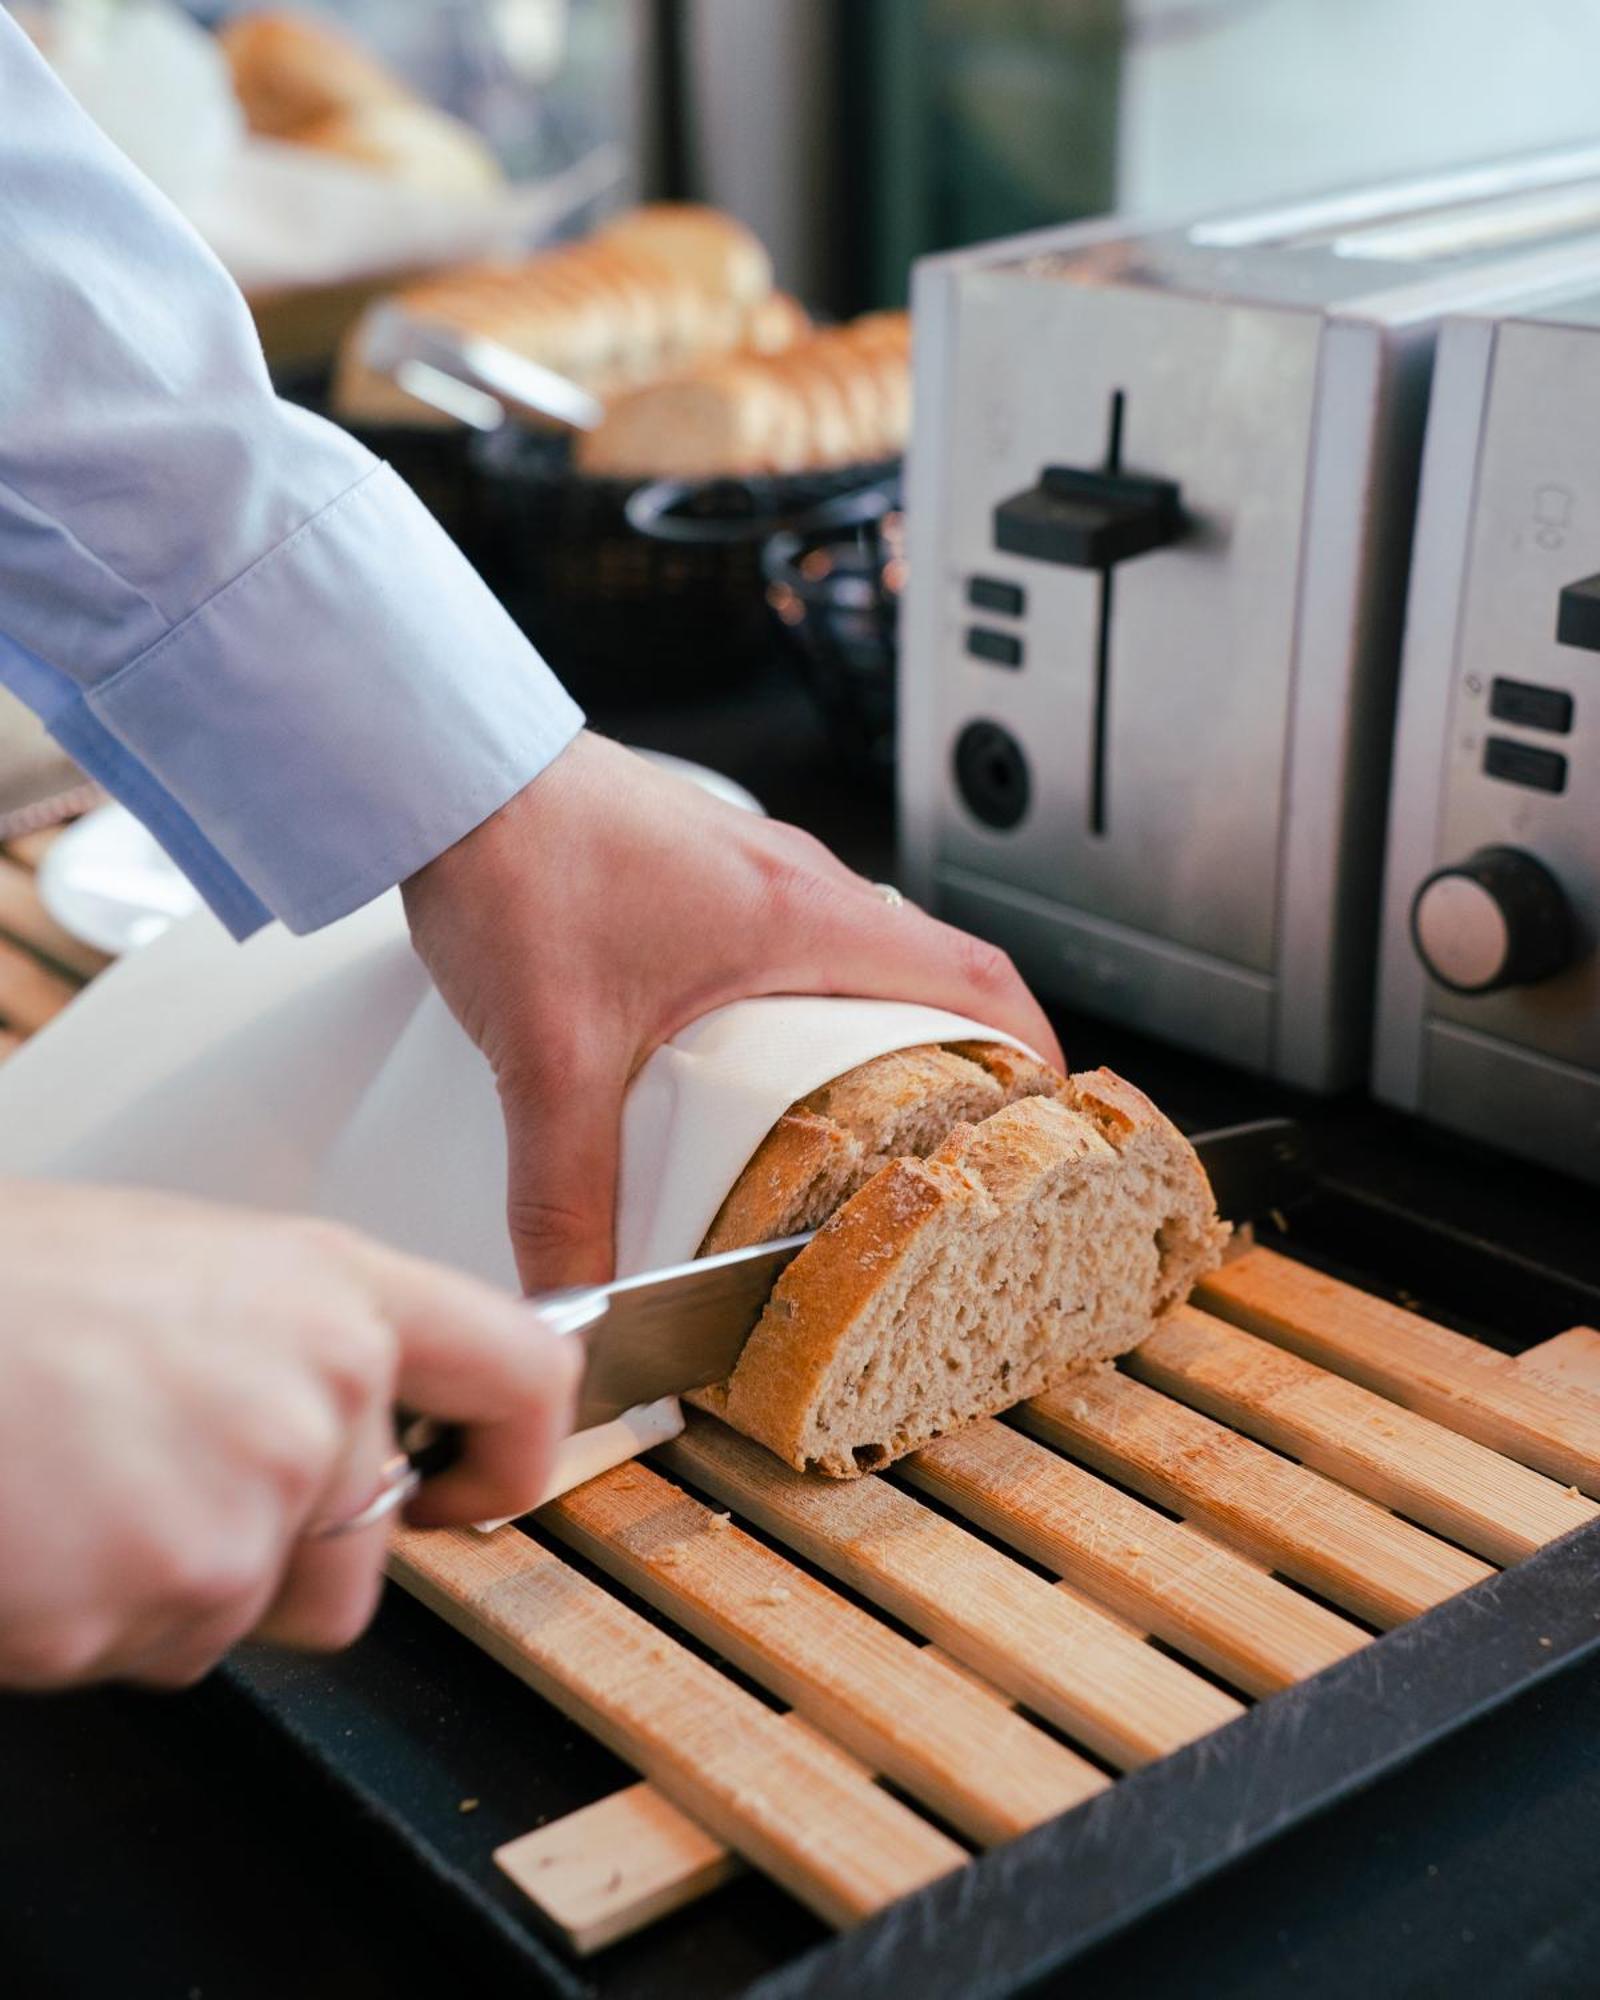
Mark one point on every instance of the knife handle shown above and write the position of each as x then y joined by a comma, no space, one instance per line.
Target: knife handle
432,1446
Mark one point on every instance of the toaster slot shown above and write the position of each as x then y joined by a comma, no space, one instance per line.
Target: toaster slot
1088,520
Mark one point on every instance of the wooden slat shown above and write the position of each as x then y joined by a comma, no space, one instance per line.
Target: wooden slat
1565,1362
1204,1600
1055,1655
30,994
1293,1519
660,1860
1489,1504
611,1868
806,1817
664,1861
24,918
949,1743
1464,1385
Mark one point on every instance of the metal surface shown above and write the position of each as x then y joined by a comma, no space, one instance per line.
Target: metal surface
1206,748
397,1481
1461,930
415,352
1509,516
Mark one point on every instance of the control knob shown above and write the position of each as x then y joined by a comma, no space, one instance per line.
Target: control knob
1498,919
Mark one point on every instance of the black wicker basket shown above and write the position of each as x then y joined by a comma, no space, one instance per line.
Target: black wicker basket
833,583
637,590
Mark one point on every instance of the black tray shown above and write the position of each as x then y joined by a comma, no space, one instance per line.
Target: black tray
416,1719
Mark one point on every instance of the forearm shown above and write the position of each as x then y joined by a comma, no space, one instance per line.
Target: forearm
223,606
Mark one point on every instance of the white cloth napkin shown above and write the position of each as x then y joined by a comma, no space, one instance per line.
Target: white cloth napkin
325,1074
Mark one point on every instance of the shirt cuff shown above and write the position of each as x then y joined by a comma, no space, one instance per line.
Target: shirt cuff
345,710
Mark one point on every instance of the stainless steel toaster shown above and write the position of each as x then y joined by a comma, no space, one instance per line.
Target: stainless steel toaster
1489,986
1160,505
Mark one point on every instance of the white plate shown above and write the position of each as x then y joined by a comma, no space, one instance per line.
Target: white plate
113,885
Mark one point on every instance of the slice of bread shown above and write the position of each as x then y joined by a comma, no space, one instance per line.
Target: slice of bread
831,1143
1051,1233
838,397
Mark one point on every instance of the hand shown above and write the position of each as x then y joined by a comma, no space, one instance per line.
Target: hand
608,905
184,1391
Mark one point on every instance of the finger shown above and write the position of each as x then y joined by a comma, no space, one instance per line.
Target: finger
477,1357
562,1133
330,1586
188,1650
505,1467
865,946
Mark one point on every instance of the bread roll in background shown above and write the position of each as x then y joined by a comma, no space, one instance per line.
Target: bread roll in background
991,1226
729,418
290,70
615,312
715,249
841,396
773,324
408,143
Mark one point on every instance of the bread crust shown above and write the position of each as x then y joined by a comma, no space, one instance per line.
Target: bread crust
715,248
839,1135
787,1358
803,1161
1094,1142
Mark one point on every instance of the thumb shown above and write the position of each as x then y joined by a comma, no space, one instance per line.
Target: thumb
562,1131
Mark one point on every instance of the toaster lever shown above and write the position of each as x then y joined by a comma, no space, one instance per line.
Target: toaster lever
1089,520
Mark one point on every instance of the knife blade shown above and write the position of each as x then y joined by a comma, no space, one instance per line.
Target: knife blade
663,1332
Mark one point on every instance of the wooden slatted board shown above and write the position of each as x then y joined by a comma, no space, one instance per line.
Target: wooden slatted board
41,965
1009,1619
1006,1621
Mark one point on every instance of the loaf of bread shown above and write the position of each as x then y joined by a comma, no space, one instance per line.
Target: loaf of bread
304,81
411,144
991,1226
290,70
621,309
713,248
841,397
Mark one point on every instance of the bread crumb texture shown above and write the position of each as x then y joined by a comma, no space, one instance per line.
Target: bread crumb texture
987,1226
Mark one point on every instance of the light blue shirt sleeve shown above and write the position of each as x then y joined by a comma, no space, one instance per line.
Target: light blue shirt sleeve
250,630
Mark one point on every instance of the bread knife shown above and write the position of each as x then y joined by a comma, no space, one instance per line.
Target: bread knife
663,1332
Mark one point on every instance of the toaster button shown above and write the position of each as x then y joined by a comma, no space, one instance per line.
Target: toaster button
1578,615
1522,764
990,593
1089,520
1532,707
991,774
1004,649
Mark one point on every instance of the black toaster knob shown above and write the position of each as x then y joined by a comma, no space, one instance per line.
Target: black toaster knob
1499,918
